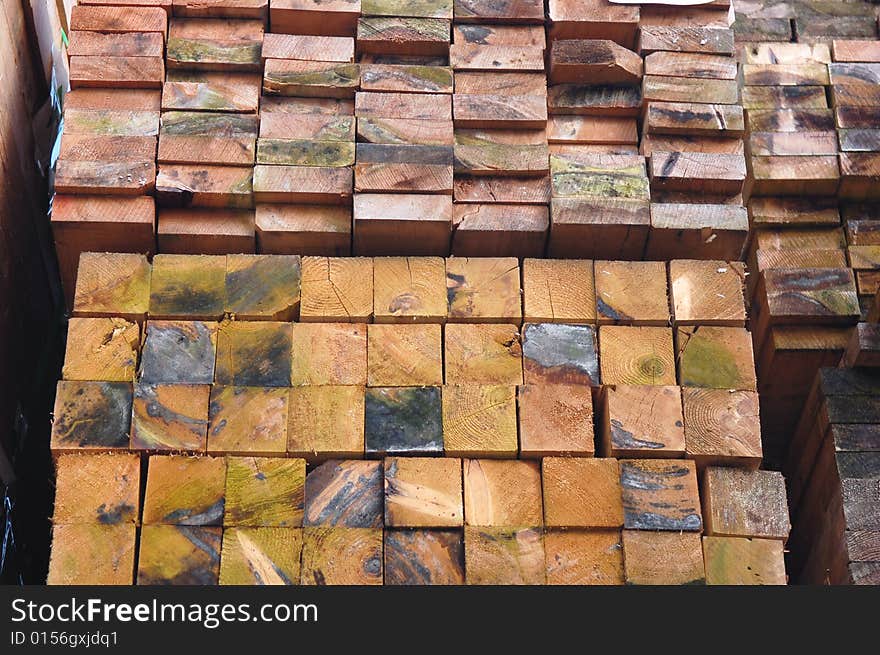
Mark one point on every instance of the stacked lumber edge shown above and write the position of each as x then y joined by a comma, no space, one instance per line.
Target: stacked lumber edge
277,374
271,418
810,74
401,128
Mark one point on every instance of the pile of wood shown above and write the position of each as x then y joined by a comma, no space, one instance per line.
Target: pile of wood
693,123
413,520
400,128
620,391
255,520
805,21
804,295
833,472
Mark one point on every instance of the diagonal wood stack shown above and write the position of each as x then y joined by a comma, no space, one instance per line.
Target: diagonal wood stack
314,338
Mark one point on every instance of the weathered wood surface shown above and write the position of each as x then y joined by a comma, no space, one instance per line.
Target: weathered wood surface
208,44
481,290
92,554
593,19
254,353
423,492
479,421
483,354
97,489
421,557
185,490
264,492
179,555
187,90
716,357
320,17
660,495
260,556
600,61
342,556
247,420
403,420
317,79
306,47
734,561
555,420
343,493
395,35
325,422
404,355
557,353
584,557
329,354
504,556
722,426
582,493
636,355
101,349
642,421
91,416
631,293
170,417
745,503
663,558
495,229
594,100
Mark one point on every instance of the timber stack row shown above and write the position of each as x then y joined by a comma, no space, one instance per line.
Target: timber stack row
401,128
572,412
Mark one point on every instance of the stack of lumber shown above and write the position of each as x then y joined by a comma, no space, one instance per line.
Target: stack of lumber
500,116
802,290
804,21
236,520
284,407
833,471
106,171
692,124
600,197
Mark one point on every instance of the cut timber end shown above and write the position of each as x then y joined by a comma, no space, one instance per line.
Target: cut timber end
504,556
264,492
420,557
337,289
247,420
636,355
631,293
479,421
559,353
423,492
342,556
256,353
403,420
326,422
502,493
483,354
170,417
97,489
101,349
345,493
184,286
582,557
663,558
85,554
734,561
185,490
660,495
582,493
91,416
179,555
261,556
404,355
112,285
329,354
745,504
409,289
722,426
559,291
483,290
642,421
555,420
